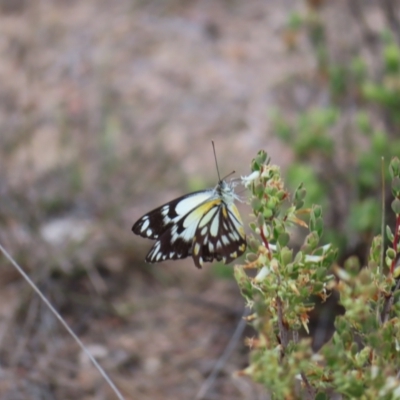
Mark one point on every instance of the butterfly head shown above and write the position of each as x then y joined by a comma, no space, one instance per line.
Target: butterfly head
226,191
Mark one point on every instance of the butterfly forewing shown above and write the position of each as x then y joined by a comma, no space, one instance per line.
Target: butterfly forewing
153,224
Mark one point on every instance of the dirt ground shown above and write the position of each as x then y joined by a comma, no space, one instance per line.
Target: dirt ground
108,109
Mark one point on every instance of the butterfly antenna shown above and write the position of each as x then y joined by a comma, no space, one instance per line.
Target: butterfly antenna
216,163
227,176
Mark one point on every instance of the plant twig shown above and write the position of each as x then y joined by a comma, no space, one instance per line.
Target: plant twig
395,243
283,330
389,303
207,384
382,254
284,337
383,216
63,322
296,336
264,239
309,389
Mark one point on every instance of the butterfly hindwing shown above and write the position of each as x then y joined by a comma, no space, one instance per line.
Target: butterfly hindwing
220,235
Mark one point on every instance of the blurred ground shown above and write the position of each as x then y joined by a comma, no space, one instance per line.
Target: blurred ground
108,109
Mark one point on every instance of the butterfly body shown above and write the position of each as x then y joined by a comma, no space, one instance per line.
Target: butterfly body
205,225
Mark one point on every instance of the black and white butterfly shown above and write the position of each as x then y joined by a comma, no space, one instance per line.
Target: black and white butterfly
205,225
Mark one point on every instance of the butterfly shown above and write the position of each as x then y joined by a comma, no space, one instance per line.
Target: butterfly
205,225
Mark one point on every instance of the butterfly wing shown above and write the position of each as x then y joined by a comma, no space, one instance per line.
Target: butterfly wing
155,223
200,224
173,226
177,241
165,249
219,235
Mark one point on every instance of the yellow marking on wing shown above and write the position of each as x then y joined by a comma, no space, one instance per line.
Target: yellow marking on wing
236,213
234,254
206,207
191,202
198,212
238,224
224,212
196,249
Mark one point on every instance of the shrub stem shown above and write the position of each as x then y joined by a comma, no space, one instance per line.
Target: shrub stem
395,242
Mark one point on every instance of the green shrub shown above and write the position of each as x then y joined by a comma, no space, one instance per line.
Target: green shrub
362,359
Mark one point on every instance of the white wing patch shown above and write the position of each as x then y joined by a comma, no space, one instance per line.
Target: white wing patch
214,227
192,201
145,224
207,218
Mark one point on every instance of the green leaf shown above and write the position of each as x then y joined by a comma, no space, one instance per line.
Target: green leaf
317,211
389,234
286,255
251,257
396,206
261,157
267,213
390,253
283,239
253,244
394,167
256,204
261,219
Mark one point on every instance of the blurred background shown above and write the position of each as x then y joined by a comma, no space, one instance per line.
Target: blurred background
108,109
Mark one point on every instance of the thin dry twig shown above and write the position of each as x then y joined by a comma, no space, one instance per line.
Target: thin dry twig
395,243
284,337
207,384
383,218
296,336
383,215
63,322
264,239
283,330
309,389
